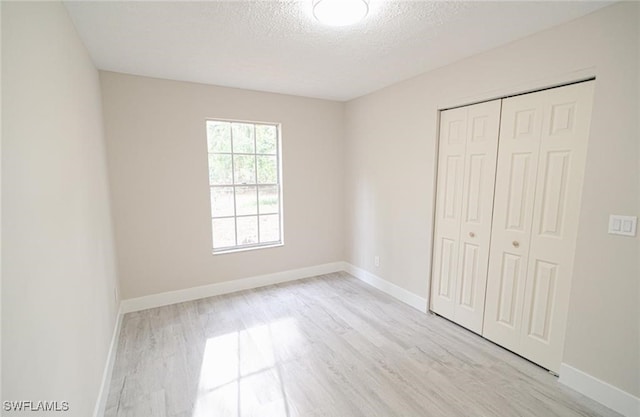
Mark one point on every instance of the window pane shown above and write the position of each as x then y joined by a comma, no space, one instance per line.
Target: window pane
219,136
247,230
268,199
221,201
245,169
267,169
246,201
244,183
266,139
269,228
220,172
243,138
224,233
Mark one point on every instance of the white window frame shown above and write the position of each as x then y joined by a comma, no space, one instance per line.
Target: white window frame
235,216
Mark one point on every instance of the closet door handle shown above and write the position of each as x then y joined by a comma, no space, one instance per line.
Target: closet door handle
516,244
471,234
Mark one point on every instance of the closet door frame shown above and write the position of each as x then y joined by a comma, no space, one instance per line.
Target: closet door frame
556,82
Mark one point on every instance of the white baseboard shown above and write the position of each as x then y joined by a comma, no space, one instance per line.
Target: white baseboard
101,402
598,390
608,395
167,298
383,285
189,294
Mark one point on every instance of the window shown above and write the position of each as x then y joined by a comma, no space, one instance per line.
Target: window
244,179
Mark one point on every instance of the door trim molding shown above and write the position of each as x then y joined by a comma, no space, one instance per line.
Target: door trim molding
600,391
524,87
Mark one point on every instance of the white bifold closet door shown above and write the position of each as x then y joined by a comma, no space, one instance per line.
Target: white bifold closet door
466,175
541,158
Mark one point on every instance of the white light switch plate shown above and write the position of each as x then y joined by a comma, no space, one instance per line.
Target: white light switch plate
622,225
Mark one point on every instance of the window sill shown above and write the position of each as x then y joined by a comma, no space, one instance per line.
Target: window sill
247,249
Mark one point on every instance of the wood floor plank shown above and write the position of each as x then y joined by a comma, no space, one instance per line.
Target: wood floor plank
324,346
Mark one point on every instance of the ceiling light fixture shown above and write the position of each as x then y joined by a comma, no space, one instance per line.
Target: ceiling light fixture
340,12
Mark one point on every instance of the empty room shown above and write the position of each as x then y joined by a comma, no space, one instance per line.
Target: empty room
320,208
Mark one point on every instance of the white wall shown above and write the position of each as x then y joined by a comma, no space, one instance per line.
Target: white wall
156,145
58,269
390,175
0,204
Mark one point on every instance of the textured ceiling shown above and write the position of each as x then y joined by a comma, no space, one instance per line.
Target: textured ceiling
278,46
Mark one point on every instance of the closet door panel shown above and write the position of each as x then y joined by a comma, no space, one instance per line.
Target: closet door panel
451,160
483,122
563,148
520,129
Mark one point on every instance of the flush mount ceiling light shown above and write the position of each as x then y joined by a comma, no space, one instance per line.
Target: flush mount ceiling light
340,12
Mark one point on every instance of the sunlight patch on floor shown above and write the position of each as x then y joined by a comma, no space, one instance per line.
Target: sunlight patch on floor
239,376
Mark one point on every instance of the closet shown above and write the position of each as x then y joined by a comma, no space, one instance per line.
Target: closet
509,183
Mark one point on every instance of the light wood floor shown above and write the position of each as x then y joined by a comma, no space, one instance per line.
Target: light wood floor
325,346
